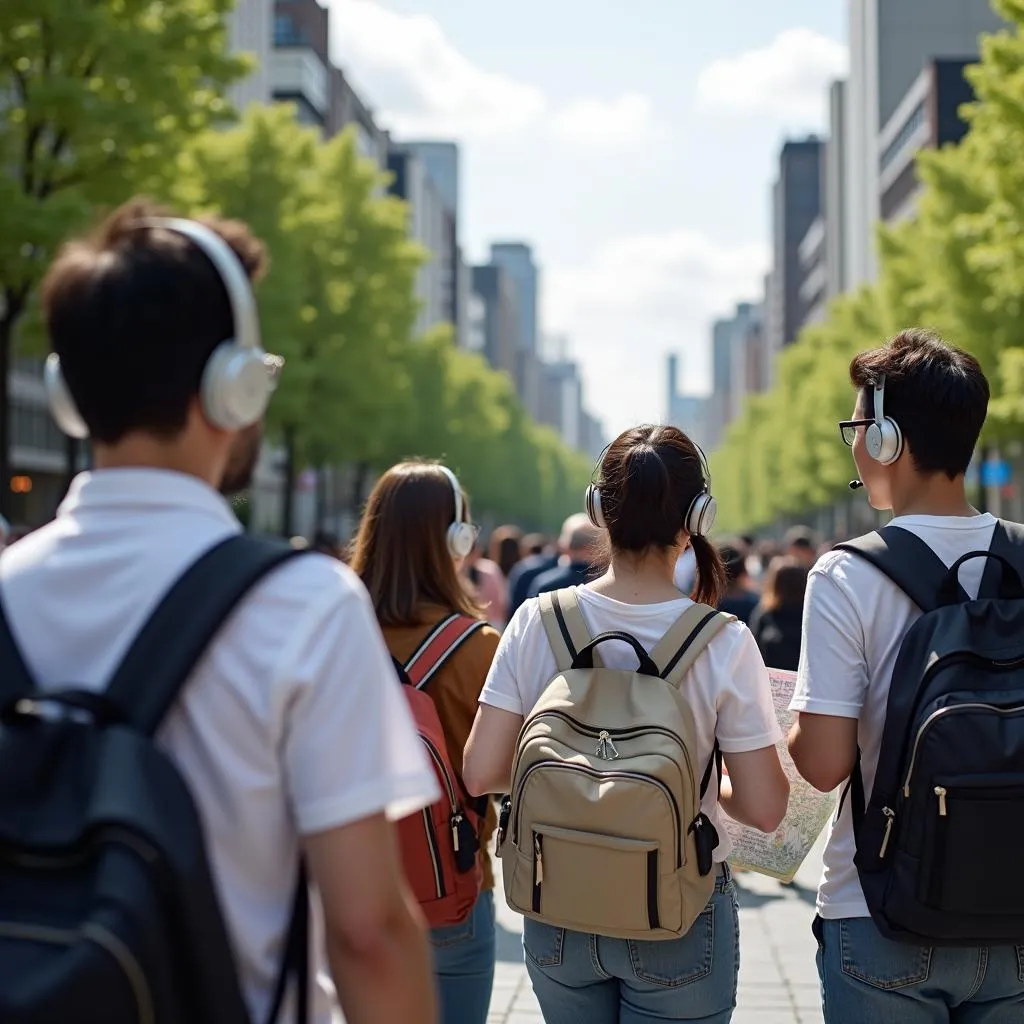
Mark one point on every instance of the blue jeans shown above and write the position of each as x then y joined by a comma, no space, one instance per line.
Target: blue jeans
590,979
464,965
868,979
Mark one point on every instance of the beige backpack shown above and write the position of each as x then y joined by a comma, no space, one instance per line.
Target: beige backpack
603,832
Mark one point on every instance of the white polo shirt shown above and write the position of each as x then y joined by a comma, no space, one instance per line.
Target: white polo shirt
293,722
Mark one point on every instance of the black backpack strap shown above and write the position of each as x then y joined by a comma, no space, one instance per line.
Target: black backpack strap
185,622
15,678
1007,541
296,956
906,560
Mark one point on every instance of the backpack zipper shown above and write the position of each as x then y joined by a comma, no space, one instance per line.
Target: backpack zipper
594,773
454,819
606,737
941,713
99,936
435,755
435,853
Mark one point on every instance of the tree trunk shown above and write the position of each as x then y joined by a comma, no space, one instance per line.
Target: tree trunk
11,308
288,508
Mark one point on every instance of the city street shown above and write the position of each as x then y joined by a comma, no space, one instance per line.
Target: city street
778,980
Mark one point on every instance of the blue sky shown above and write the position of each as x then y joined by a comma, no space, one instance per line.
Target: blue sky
631,143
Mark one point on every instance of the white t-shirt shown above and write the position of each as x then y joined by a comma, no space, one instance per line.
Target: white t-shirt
293,722
855,619
728,687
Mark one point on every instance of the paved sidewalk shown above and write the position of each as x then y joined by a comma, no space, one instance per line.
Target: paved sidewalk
778,979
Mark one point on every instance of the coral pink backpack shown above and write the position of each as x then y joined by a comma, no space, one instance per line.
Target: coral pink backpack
441,844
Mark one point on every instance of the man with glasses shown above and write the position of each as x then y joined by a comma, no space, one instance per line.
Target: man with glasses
919,408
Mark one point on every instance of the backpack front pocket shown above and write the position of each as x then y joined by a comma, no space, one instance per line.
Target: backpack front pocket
615,878
974,821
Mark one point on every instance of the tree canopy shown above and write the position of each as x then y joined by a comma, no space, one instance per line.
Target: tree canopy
957,267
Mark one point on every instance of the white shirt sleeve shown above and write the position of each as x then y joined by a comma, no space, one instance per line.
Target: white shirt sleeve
746,711
350,748
833,674
501,688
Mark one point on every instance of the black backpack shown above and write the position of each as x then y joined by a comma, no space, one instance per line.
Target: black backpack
108,911
939,838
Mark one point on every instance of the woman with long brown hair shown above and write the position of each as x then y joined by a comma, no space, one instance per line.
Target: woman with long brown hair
777,620
413,538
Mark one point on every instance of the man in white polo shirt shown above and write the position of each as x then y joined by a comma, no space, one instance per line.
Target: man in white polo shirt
292,732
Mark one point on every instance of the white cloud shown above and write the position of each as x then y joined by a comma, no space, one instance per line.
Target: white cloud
786,79
423,85
628,120
420,81
640,298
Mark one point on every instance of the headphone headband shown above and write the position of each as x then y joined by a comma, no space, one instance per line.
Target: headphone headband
244,314
456,491
461,536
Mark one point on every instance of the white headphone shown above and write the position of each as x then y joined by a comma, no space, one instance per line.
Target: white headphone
461,535
239,376
700,516
883,439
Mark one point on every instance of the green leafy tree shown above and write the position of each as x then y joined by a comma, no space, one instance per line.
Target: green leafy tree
97,96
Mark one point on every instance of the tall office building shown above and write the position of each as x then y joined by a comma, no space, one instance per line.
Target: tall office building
251,31
833,199
890,41
497,292
300,69
686,411
517,260
796,204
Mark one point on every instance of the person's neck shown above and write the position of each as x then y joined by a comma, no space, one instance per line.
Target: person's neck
647,579
932,495
138,451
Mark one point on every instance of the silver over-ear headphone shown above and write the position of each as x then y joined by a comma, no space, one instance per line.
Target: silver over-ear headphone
700,516
239,376
883,439
461,535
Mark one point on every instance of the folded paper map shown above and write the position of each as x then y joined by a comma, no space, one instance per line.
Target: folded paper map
781,853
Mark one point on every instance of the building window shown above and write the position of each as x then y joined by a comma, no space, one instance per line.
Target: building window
285,32
898,144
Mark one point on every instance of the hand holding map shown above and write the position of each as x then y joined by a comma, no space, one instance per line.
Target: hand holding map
781,853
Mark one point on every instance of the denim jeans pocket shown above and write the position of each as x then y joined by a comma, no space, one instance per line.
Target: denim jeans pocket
453,934
543,943
868,956
677,962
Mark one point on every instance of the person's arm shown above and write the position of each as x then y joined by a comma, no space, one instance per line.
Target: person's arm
756,791
831,686
491,747
376,948
353,763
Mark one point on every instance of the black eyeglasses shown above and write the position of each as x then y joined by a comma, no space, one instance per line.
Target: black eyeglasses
848,430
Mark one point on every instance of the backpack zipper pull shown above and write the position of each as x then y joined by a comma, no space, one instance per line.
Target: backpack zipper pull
605,747
456,822
940,792
539,858
890,817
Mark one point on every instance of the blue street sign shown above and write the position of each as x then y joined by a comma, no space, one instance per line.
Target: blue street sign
996,474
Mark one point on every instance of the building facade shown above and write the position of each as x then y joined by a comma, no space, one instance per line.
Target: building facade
833,198
926,118
251,31
813,264
686,411
796,204
496,292
890,42
517,260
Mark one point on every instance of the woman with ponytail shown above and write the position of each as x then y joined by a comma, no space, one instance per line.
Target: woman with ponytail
652,498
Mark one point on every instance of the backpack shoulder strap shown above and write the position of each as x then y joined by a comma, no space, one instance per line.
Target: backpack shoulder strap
15,678
906,560
438,646
686,640
565,626
1007,541
185,622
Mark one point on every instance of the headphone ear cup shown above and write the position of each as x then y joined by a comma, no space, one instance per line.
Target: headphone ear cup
884,441
592,504
236,387
460,539
701,516
62,405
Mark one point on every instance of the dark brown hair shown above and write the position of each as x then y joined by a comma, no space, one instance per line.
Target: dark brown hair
134,313
937,394
649,477
401,550
784,584
533,544
506,548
